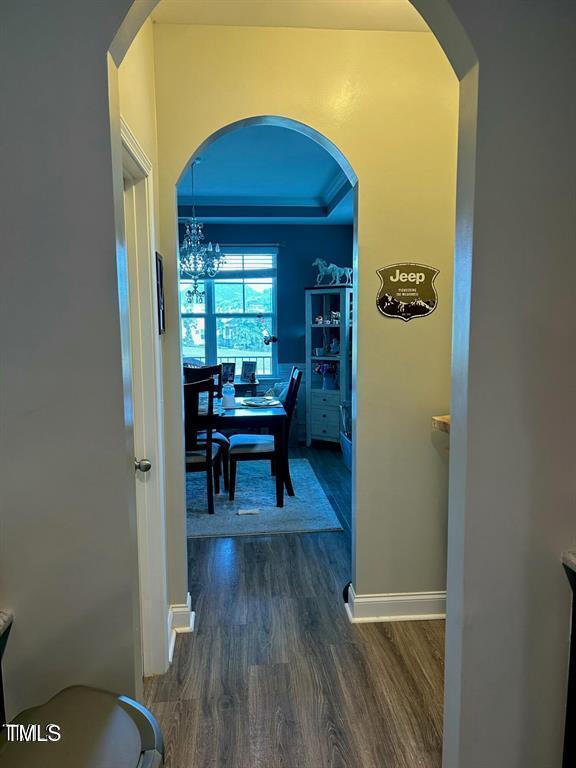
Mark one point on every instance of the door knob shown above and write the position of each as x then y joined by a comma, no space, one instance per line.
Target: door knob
143,465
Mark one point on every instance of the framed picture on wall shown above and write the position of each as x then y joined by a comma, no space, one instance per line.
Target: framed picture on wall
160,294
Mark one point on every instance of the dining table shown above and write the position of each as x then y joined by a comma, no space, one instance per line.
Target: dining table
247,418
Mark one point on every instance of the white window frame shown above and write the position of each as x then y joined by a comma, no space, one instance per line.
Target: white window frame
210,316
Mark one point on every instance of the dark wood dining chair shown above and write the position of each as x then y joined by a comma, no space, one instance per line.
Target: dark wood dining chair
203,372
213,372
262,447
202,453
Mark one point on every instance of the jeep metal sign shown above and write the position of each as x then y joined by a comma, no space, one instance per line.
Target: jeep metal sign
407,291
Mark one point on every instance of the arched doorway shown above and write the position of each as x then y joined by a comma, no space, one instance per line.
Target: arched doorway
106,21
273,183
461,283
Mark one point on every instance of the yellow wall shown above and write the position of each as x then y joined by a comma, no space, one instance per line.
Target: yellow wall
389,102
137,96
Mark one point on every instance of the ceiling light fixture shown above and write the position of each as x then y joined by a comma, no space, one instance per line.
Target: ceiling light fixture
198,261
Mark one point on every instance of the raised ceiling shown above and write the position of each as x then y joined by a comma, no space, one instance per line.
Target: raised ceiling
387,15
267,173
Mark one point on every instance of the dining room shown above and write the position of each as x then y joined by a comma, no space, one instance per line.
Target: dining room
258,208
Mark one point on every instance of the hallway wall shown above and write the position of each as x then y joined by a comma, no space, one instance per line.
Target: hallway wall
68,547
389,102
513,485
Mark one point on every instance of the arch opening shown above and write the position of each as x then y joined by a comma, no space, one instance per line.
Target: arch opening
303,209
277,121
456,45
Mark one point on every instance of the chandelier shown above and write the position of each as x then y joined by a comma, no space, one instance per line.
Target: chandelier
197,260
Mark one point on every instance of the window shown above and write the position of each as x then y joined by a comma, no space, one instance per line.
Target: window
238,313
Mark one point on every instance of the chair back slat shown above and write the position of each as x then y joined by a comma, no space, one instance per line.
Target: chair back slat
196,418
292,395
213,372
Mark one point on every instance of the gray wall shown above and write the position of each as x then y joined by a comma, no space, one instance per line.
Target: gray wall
67,542
513,484
300,245
68,558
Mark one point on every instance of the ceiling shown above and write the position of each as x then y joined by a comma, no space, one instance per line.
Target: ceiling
387,15
265,173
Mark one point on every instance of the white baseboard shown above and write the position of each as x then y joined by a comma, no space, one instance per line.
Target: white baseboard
180,619
402,606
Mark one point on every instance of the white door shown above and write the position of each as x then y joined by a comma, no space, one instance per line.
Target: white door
147,404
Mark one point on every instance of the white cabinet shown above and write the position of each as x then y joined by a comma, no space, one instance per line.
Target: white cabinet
328,359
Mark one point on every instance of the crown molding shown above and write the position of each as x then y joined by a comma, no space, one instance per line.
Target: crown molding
251,201
334,186
204,212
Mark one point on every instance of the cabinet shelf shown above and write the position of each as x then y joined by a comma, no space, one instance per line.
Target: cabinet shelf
335,358
322,405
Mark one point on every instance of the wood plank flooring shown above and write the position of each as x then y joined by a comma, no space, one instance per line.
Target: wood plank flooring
276,677
335,479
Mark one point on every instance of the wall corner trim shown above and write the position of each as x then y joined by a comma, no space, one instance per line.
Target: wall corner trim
132,144
400,606
181,619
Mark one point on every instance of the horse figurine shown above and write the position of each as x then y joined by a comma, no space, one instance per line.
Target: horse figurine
339,275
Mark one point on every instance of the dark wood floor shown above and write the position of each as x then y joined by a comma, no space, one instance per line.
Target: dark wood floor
335,479
276,677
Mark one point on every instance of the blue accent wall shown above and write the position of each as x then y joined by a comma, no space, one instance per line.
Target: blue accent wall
299,245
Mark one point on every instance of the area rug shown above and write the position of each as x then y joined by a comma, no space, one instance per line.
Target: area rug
308,511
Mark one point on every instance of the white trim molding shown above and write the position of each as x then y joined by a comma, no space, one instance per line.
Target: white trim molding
131,143
400,606
147,399
180,620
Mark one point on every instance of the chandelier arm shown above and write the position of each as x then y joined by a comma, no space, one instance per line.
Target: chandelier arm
198,260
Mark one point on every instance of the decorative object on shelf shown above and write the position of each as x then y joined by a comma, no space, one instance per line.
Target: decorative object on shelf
228,372
160,294
197,260
334,317
407,291
334,346
318,319
248,370
329,373
338,275
318,351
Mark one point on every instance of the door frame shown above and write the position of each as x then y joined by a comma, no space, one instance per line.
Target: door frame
147,399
